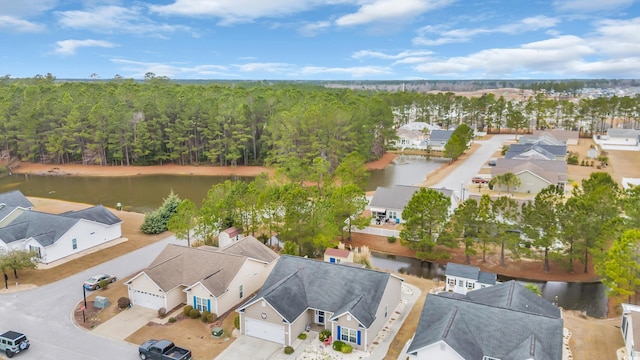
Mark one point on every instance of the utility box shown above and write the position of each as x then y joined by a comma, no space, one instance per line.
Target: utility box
101,302
217,332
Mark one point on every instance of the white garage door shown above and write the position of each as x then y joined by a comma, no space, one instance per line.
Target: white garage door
148,300
264,330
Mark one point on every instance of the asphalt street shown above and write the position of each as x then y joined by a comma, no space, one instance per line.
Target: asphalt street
44,314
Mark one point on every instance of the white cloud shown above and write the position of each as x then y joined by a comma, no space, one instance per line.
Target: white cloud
356,72
443,36
138,69
19,25
587,6
376,54
69,47
311,29
264,67
390,10
26,8
114,19
618,37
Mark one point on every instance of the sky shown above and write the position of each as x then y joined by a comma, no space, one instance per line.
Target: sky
321,39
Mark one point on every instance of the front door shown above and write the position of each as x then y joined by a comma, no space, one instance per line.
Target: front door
319,317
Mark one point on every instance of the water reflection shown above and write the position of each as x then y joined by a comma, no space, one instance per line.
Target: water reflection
406,170
588,297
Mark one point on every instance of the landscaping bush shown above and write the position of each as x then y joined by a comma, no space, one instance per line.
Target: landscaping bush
573,158
337,345
346,349
302,336
187,310
205,316
194,313
172,320
213,317
391,239
288,350
124,302
162,312
236,322
104,284
324,334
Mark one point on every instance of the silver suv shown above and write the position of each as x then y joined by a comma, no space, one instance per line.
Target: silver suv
13,342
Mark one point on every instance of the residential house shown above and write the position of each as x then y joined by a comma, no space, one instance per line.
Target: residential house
215,280
54,237
352,302
567,137
228,236
624,137
630,329
545,139
464,278
338,256
506,322
10,203
537,151
387,204
410,139
438,139
534,175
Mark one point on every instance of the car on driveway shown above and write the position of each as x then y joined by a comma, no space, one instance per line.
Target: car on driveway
479,180
93,283
13,342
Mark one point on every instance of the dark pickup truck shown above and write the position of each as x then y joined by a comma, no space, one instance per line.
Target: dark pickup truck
162,350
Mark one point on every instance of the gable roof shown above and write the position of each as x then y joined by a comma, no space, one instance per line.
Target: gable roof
561,135
250,247
182,265
45,228
297,283
497,326
550,151
440,135
540,139
343,253
232,231
470,272
398,196
553,171
15,198
97,213
622,133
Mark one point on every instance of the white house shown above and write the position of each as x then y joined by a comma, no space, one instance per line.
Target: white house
631,330
215,280
338,256
464,278
228,236
387,204
54,237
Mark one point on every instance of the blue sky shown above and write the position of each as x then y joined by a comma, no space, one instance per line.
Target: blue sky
321,39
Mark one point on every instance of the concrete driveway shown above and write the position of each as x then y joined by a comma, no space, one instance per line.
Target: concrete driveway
248,347
126,323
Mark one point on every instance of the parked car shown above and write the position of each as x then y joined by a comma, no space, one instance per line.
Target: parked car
479,180
93,283
162,350
492,163
13,342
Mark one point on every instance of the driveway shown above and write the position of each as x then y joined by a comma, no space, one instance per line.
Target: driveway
248,347
126,323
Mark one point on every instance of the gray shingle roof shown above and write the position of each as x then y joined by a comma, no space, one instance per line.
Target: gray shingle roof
15,198
623,133
97,213
44,228
440,135
497,327
251,247
555,150
398,196
470,272
553,171
297,283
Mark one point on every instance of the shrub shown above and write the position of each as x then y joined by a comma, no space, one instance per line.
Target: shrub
205,316
324,334
338,345
391,239
213,317
302,336
187,310
346,349
288,350
104,283
194,313
236,322
162,312
172,320
572,159
124,302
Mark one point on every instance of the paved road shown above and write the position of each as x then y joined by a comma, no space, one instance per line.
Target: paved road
44,313
463,173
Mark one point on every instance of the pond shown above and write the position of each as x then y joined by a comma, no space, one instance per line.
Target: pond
588,297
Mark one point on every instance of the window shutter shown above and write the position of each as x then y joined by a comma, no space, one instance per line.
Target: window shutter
209,305
359,332
339,338
195,305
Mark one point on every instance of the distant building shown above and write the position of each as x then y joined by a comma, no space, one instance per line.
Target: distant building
338,256
464,278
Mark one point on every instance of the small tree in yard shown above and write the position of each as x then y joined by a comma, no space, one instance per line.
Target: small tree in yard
183,220
18,260
156,221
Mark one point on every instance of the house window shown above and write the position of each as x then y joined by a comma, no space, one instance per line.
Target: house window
469,285
200,304
35,250
452,282
74,244
241,291
393,215
349,335
461,283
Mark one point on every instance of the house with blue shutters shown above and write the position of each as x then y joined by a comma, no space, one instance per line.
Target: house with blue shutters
207,278
353,303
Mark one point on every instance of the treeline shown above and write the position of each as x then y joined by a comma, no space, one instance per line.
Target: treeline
122,122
